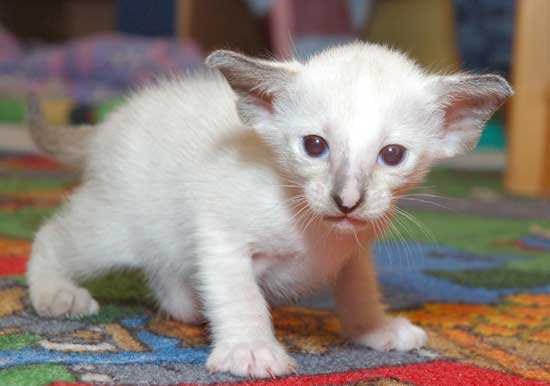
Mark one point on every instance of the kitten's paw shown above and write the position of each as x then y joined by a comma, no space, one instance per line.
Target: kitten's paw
65,301
259,359
396,334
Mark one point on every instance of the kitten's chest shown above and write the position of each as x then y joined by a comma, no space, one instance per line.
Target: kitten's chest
286,276
299,264
292,251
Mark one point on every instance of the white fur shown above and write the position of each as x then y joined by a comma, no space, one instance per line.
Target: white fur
396,334
225,216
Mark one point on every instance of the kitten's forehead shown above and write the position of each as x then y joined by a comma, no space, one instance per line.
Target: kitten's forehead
360,87
359,79
363,63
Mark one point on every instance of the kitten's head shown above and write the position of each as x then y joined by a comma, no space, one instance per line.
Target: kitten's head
358,124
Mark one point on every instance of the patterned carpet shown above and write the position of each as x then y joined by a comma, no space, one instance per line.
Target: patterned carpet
480,285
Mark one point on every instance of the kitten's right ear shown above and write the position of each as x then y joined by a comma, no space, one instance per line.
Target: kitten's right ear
257,82
467,102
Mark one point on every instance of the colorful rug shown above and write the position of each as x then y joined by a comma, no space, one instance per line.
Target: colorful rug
480,285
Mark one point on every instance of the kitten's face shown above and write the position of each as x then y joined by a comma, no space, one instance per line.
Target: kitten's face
359,124
354,141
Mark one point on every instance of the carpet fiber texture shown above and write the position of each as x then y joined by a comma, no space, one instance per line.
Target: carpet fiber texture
480,286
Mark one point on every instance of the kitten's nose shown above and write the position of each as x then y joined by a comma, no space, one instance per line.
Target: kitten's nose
345,208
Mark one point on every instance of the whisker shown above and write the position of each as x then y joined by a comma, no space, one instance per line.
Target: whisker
313,218
302,220
304,207
359,244
295,200
425,230
286,186
427,195
384,220
400,237
426,202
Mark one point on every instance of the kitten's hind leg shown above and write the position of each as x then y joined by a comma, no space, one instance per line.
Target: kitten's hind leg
77,243
175,297
52,290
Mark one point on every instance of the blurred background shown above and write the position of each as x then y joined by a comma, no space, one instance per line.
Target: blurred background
81,56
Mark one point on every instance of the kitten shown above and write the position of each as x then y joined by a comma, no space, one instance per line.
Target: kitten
255,182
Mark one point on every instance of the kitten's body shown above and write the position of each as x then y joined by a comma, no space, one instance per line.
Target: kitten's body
175,184
154,176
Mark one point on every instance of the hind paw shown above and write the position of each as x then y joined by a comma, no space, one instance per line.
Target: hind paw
65,301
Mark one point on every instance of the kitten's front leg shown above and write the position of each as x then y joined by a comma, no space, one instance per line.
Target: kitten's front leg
361,313
240,322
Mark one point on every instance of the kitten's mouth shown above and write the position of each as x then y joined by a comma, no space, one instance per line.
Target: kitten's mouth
345,220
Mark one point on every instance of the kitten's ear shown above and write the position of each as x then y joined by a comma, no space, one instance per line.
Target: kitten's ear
467,102
257,82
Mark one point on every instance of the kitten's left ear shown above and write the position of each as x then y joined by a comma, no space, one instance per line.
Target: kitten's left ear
467,102
257,82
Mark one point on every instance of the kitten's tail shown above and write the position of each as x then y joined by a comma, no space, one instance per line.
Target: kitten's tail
67,145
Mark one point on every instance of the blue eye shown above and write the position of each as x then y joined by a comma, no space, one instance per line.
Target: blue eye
315,146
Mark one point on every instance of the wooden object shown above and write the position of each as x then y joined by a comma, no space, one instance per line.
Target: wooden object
216,24
528,165
424,29
56,20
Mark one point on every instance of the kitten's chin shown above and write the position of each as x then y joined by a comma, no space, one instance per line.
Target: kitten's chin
345,223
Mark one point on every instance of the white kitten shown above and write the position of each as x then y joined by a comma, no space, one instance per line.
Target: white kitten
258,181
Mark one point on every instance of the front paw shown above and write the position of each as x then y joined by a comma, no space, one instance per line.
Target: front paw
395,334
259,359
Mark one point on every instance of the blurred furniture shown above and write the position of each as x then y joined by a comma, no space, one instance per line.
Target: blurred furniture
424,29
56,20
303,28
215,24
145,17
528,170
485,34
210,23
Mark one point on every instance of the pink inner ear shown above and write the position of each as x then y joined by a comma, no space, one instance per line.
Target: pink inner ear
263,100
463,108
